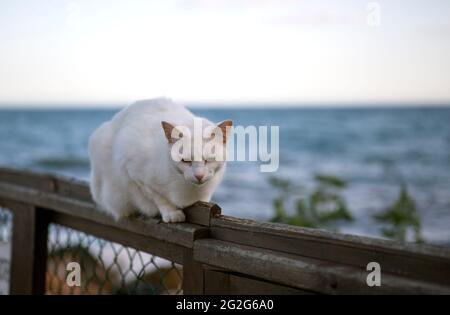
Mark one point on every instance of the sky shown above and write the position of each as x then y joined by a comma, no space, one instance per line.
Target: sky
225,52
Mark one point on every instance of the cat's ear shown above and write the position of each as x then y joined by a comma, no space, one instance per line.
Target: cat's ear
225,128
167,127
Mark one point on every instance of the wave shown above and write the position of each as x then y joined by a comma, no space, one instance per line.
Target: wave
62,162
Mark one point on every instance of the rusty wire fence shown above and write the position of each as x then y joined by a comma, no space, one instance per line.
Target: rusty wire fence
5,241
106,267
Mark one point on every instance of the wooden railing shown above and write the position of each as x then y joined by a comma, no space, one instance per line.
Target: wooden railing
219,254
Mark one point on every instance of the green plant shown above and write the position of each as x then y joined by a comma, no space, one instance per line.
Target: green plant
325,205
322,207
401,217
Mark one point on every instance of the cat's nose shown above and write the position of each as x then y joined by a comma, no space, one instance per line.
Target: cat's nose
199,177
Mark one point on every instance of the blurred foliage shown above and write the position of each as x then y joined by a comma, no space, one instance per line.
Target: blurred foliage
322,207
401,218
325,205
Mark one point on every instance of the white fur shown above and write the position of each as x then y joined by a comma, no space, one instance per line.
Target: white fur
131,166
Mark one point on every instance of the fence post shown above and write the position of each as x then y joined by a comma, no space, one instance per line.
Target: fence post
199,213
193,275
29,249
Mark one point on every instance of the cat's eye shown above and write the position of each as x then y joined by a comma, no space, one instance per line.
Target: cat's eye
185,161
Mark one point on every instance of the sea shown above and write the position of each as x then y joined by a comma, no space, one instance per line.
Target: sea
375,150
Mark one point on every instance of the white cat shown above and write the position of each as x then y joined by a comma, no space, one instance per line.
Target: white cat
132,167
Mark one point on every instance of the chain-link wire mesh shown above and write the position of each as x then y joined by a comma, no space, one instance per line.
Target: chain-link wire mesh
105,267
5,243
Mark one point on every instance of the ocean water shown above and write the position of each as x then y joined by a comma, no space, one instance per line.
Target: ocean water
373,149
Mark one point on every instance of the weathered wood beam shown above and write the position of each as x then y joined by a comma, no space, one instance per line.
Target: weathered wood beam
303,272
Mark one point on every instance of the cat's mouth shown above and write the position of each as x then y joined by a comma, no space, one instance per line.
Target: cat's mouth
198,184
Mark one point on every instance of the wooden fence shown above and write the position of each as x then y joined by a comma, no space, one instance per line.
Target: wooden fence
219,254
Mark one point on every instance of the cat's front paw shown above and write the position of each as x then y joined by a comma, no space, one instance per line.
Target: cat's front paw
174,216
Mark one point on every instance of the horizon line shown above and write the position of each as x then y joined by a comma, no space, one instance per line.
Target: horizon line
225,105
